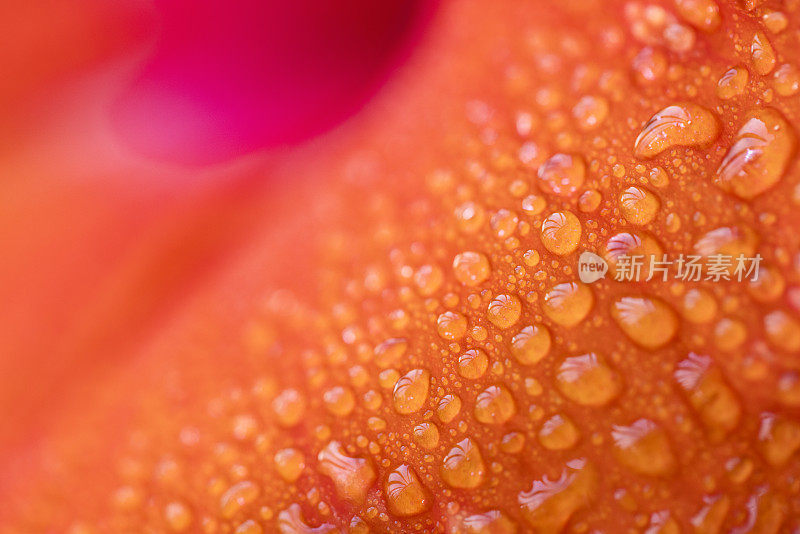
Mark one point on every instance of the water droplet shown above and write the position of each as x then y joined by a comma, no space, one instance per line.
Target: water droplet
339,401
491,522
762,54
778,438
426,435
238,497
677,125
451,325
783,331
428,279
531,344
647,321
588,380
352,476
411,391
786,80
471,268
561,232
714,401
470,217
729,334
390,352
644,447
249,527
589,200
768,286
473,364
405,494
631,244
289,406
649,65
569,303
512,442
494,405
699,306
727,241
562,174
504,223
463,466
290,521
558,433
638,205
710,518
760,154
702,14
663,523
504,311
448,408
590,112
732,83
290,464
177,516
549,504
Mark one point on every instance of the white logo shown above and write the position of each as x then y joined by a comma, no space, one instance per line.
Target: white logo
591,267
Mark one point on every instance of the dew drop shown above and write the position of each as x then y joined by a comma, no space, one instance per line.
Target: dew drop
558,433
448,408
289,406
712,398
504,311
463,465
590,112
411,391
647,321
390,352
290,464
561,232
405,494
588,380
562,174
491,522
639,206
339,401
698,306
473,364
687,125
177,516
569,303
732,83
426,435
550,504
352,476
238,497
762,54
471,268
778,439
494,405
451,325
759,156
643,447
531,344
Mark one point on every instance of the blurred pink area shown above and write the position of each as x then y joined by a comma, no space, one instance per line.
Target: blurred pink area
228,78
101,226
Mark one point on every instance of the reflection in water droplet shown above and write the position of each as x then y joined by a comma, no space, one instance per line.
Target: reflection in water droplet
759,156
463,466
588,380
677,125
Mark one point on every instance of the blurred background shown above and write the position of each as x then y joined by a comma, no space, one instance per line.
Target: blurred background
135,138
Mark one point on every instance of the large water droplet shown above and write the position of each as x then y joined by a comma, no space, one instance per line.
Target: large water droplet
759,156
677,125
463,466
